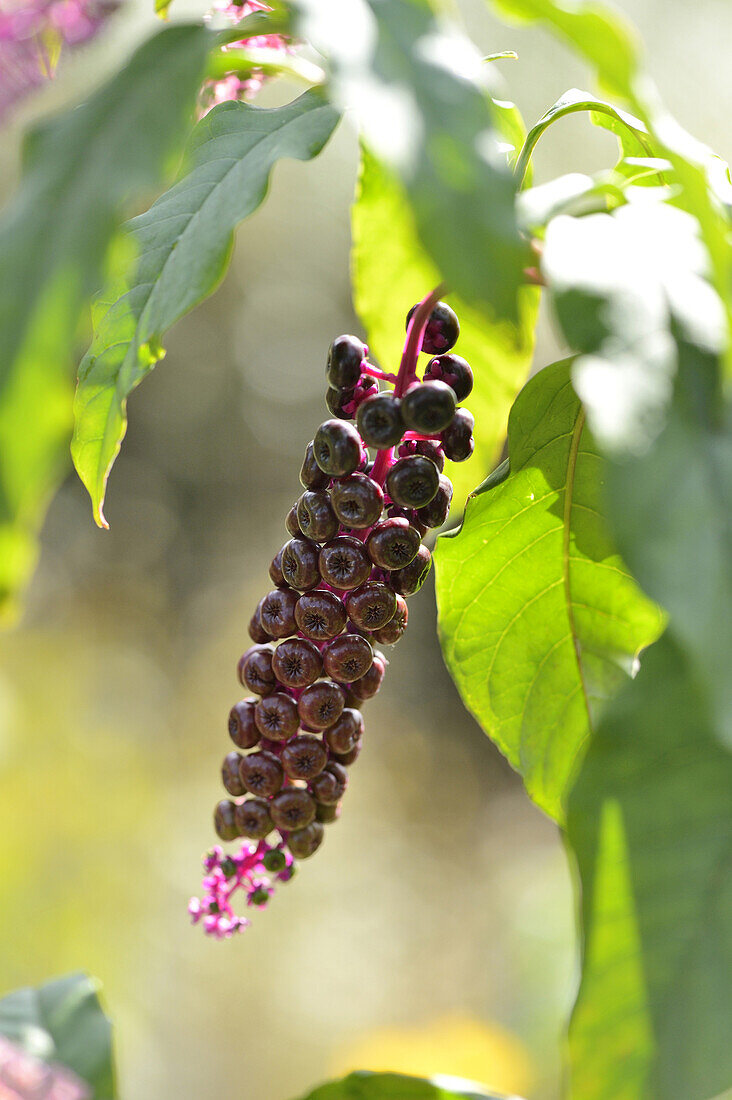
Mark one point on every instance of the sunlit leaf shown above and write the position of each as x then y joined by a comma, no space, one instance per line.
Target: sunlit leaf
395,1086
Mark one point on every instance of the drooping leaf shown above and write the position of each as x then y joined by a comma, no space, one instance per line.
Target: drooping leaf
183,242
650,822
539,620
391,271
419,91
363,1085
64,1022
82,172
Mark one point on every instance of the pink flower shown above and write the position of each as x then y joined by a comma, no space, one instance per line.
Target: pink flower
244,871
233,85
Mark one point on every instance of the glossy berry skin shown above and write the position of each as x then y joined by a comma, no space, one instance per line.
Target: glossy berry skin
428,407
256,631
371,606
275,570
304,757
230,774
348,758
276,716
442,331
255,670
453,370
327,813
337,402
300,564
345,357
253,819
316,517
337,447
412,482
392,543
380,421
392,632
457,439
320,615
369,684
347,658
330,785
344,563
242,727
225,820
343,734
430,448
292,808
261,773
304,842
321,704
297,663
293,527
277,612
357,501
409,580
436,512
311,476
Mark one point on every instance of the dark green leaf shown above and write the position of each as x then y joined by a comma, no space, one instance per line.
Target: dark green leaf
184,242
395,1086
539,620
63,1021
650,821
82,170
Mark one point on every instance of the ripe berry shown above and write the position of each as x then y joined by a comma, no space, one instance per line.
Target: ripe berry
339,403
297,663
225,820
304,842
337,448
457,438
392,543
409,580
230,774
261,773
292,808
348,758
369,684
304,757
345,357
357,501
379,420
255,670
277,612
344,563
371,606
242,727
430,448
413,481
347,658
292,525
316,516
343,734
311,476
275,569
321,704
276,716
453,370
436,512
442,329
326,813
253,818
428,407
392,632
331,784
300,564
320,615
256,631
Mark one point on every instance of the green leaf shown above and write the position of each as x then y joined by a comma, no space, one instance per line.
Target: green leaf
418,88
184,242
650,821
63,1021
82,169
363,1085
538,618
391,271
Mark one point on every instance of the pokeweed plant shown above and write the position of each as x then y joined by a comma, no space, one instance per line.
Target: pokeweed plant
585,599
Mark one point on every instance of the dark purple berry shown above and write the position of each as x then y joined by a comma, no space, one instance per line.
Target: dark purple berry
276,716
347,658
343,735
442,329
344,563
304,842
253,818
275,569
316,516
331,784
292,808
225,820
379,420
297,663
326,812
320,615
453,370
311,476
412,482
392,543
255,670
348,758
357,501
230,774
371,606
337,448
436,512
304,757
392,632
345,357
339,403
242,727
368,685
300,564
410,515
292,525
261,773
430,448
457,438
409,580
256,631
428,407
277,612
321,704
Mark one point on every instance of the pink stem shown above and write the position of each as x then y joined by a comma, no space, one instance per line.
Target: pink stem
376,373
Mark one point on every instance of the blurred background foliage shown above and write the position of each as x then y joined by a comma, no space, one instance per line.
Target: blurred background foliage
435,929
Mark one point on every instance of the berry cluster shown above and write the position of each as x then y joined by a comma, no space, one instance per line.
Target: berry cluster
371,492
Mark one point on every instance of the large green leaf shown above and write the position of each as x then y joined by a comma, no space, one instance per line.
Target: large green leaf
539,620
418,89
363,1085
650,821
82,172
391,271
63,1021
184,242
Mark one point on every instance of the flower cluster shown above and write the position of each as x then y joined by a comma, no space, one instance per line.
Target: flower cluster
23,1077
233,84
341,581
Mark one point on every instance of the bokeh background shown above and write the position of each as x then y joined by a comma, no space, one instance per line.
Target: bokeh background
434,930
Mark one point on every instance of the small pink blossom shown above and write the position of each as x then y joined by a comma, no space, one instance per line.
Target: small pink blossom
243,872
233,86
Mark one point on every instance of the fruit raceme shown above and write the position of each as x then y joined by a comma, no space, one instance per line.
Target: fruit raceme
372,490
